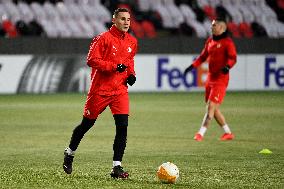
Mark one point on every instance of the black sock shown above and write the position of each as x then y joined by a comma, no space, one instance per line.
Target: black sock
79,132
119,143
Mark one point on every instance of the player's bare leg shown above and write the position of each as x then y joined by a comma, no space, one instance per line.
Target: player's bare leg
219,117
211,107
209,115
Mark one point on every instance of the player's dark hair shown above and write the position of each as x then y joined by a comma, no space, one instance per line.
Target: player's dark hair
115,14
221,19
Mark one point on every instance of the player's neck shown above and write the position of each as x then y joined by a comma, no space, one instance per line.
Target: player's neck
221,36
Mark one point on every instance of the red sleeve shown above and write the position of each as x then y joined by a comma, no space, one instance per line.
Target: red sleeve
203,56
232,54
130,68
96,54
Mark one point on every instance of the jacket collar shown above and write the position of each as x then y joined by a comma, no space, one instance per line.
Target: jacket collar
116,32
218,37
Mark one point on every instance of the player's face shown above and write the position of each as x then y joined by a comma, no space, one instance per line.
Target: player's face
122,21
217,27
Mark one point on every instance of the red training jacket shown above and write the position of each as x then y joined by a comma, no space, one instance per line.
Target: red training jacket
106,51
218,54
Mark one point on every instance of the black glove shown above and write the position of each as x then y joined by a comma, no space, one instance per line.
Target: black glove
226,69
131,79
120,68
188,69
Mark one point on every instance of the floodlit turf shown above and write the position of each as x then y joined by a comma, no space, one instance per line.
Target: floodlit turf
35,129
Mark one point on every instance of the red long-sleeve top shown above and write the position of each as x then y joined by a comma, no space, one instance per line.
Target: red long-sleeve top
218,54
106,51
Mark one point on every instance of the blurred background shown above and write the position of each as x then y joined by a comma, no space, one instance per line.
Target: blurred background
43,44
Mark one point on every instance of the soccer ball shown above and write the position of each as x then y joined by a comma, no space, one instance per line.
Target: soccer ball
168,173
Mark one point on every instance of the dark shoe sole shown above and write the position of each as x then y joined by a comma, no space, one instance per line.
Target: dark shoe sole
119,177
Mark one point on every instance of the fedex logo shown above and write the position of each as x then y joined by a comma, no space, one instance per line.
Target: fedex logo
273,73
174,77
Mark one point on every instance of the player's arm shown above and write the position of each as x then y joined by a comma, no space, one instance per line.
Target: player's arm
203,55
231,56
96,54
200,59
131,76
130,62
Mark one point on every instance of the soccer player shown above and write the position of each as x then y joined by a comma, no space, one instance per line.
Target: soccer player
220,53
111,58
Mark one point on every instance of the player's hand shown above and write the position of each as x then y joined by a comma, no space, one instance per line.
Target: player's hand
188,69
226,69
120,68
131,79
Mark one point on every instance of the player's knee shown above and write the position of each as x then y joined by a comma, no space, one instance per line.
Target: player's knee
121,120
86,122
85,125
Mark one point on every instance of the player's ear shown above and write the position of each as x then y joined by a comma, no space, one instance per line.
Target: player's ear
113,18
224,26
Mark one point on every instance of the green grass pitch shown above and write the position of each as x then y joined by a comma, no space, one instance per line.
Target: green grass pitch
35,129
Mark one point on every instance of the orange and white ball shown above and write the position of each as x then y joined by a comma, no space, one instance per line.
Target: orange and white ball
168,173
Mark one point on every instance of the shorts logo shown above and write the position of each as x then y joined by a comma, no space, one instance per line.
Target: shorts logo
217,98
88,112
129,49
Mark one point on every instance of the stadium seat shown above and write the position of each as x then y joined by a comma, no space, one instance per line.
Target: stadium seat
60,18
245,30
78,25
258,30
209,11
236,15
149,29
68,2
36,29
144,5
137,29
202,3
12,11
86,27
248,16
49,28
233,28
75,11
175,13
100,11
97,26
280,27
207,26
214,3
159,7
22,28
38,11
26,13
280,4
62,10
76,30
200,29
9,28
3,12
187,12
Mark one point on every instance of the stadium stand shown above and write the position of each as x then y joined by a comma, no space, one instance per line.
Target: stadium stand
150,19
